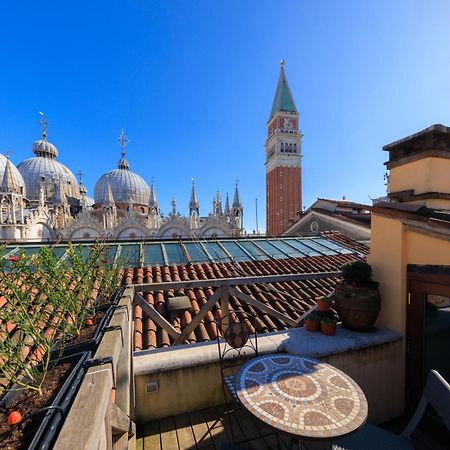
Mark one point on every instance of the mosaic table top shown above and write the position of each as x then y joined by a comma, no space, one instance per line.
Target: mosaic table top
301,396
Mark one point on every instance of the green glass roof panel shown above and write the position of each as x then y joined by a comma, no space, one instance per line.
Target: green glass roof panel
153,255
216,252
235,251
254,250
333,246
130,255
196,252
311,242
298,244
288,249
270,249
175,253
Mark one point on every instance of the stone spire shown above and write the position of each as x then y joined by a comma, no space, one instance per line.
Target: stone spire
8,182
283,100
227,205
237,199
193,203
109,198
174,206
153,202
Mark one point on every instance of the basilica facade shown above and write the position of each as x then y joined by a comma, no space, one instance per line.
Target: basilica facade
42,200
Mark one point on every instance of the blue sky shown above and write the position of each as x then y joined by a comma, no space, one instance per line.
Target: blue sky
192,83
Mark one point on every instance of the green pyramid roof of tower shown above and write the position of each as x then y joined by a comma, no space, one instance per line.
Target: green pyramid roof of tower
283,100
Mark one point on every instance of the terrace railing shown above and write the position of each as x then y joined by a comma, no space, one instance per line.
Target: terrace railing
225,288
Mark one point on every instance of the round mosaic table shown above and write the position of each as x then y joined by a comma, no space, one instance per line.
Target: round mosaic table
301,396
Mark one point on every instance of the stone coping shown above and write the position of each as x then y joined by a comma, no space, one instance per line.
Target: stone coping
295,341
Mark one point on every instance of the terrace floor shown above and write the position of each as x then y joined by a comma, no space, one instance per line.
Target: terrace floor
209,428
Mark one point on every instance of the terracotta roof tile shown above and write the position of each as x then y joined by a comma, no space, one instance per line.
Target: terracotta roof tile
292,298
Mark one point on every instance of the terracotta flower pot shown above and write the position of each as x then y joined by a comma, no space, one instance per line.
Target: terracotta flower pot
312,325
328,328
323,305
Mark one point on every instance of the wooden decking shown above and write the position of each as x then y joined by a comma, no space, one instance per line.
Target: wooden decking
207,429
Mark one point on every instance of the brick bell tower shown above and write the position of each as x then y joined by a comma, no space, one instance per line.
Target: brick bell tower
283,161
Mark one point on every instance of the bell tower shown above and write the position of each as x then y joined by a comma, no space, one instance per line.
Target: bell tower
283,161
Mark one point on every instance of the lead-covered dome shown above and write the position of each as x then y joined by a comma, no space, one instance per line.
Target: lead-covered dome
44,168
17,177
125,186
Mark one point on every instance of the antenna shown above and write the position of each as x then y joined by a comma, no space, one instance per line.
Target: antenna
256,209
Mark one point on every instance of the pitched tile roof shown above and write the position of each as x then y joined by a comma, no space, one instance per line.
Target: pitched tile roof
292,298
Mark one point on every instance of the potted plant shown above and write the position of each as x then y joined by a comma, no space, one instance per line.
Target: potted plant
312,322
328,326
356,298
323,304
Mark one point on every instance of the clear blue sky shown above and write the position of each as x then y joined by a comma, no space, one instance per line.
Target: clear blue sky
192,83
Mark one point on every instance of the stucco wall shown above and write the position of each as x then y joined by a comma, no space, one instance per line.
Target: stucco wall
393,248
424,175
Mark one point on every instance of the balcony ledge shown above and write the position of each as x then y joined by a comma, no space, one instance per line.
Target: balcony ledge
296,341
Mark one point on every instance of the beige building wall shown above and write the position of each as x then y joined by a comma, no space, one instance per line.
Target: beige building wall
394,246
425,175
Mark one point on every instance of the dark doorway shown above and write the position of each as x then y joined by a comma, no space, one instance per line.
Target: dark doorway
427,328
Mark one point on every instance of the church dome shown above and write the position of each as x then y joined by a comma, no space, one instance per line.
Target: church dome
44,168
17,177
124,184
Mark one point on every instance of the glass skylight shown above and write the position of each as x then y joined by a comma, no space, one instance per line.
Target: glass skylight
226,250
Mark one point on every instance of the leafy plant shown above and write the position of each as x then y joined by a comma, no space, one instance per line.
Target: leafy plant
313,317
357,273
326,319
47,303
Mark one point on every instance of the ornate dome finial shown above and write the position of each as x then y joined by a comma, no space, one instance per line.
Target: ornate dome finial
43,148
43,123
123,141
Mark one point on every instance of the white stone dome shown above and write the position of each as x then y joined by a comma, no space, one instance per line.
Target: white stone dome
125,186
44,168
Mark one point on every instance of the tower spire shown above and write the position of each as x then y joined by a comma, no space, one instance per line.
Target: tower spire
283,160
227,205
193,203
283,100
109,198
8,183
153,202
237,199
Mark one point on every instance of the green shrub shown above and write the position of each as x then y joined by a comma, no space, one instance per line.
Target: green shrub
357,272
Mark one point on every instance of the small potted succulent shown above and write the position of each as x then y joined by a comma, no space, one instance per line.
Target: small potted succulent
323,304
328,326
312,322
356,298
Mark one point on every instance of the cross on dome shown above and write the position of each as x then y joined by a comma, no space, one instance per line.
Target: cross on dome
43,123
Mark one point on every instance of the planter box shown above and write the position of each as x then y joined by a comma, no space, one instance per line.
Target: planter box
91,344
52,420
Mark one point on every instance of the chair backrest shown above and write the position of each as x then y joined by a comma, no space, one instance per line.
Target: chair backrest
237,335
437,393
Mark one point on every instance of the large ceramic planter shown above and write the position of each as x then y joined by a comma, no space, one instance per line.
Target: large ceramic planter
357,307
